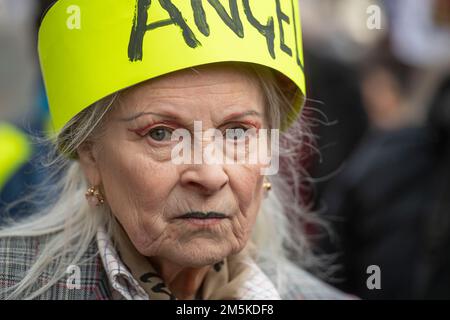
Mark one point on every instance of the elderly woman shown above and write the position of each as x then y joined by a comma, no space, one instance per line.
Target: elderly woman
127,221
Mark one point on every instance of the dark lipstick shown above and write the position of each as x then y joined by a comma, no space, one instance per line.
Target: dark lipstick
203,215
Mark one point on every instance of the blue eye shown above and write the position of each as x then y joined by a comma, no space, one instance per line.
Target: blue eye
236,133
160,134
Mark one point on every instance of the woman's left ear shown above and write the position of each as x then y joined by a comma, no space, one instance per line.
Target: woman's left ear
89,163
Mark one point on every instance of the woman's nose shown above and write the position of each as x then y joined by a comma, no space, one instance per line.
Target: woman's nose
206,178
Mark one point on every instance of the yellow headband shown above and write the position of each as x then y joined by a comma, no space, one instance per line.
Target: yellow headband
90,49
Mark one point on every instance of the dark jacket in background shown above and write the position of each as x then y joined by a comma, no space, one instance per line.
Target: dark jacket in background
382,204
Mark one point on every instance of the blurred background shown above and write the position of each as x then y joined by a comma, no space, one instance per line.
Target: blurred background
379,108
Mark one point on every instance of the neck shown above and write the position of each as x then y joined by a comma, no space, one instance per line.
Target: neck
183,282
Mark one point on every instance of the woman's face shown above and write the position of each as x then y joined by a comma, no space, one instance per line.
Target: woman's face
150,195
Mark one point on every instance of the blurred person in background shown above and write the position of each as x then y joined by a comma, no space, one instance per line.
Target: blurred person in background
389,202
378,199
389,207
23,104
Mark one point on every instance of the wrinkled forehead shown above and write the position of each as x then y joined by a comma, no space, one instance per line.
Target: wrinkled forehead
202,76
230,85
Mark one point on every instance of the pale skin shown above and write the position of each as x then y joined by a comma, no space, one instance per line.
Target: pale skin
147,193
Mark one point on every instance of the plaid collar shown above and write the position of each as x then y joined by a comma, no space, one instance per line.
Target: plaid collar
124,286
256,286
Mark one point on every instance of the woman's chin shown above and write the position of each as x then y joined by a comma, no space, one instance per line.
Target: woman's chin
198,253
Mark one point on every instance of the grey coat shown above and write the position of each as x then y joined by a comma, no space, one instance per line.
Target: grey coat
18,254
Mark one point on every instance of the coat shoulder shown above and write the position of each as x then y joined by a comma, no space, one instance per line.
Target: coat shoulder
86,280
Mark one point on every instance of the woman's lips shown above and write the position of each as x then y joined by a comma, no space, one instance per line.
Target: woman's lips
203,215
203,219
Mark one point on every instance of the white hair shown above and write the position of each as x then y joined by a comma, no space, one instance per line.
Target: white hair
279,236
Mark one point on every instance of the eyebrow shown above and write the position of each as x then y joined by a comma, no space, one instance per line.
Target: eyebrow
233,116
237,115
140,114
